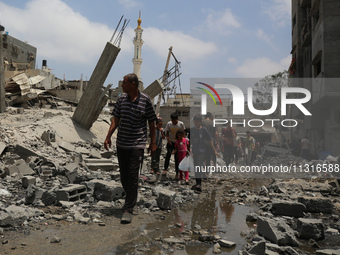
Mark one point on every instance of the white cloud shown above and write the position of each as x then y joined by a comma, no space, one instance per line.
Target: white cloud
185,46
266,38
128,3
221,22
261,67
232,60
279,11
57,31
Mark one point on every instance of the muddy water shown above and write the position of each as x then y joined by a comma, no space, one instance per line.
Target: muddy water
211,214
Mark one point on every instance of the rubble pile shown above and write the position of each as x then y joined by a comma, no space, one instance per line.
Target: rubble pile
47,160
52,169
296,216
293,215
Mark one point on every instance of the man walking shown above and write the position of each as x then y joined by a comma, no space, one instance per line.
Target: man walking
131,113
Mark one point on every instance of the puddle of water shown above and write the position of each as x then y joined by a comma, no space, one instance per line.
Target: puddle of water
211,214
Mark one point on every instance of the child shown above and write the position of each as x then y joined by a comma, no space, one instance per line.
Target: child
159,137
181,148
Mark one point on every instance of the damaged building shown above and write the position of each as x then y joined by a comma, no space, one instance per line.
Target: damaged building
315,66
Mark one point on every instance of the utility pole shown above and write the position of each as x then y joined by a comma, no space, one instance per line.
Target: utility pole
163,80
2,74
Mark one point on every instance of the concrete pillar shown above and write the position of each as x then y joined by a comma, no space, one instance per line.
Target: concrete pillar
91,103
2,75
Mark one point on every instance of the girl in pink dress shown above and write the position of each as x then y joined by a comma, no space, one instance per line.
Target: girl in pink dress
181,148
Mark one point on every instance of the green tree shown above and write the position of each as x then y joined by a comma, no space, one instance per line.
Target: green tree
263,90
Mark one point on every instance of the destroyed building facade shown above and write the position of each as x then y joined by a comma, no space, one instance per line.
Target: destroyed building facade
18,55
315,58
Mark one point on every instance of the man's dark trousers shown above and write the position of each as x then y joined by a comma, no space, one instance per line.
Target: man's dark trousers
129,165
169,149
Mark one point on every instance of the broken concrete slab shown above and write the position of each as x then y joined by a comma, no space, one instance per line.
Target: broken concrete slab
105,190
25,152
317,204
8,220
23,168
166,199
103,164
276,231
288,208
310,229
70,167
95,154
226,244
258,249
82,150
20,167
67,147
14,216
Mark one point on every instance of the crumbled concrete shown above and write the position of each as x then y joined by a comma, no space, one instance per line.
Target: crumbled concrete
288,208
317,204
276,231
165,199
310,229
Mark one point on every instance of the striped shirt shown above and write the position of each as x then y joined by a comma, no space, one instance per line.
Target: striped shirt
132,129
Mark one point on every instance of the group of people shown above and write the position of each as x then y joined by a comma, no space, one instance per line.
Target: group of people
235,147
178,144
133,112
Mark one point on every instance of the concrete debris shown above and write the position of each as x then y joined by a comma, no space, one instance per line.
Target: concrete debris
166,199
105,190
310,229
276,231
51,169
226,243
317,204
288,208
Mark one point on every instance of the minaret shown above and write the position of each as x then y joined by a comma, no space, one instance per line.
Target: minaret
138,42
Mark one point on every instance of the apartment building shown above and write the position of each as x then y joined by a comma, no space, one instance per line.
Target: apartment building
316,67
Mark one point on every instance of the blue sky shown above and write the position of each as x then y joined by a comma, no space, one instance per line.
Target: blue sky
218,38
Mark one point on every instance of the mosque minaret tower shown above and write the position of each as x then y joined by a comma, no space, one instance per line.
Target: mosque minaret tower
138,42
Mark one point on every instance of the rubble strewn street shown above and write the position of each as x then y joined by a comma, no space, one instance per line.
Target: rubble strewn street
60,193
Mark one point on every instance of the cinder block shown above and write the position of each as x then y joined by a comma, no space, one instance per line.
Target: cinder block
73,192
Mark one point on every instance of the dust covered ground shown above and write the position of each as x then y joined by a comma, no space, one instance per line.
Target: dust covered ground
34,221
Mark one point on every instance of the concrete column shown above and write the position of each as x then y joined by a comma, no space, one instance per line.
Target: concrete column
91,103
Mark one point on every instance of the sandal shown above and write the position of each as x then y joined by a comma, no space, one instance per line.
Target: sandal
151,172
164,172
